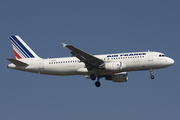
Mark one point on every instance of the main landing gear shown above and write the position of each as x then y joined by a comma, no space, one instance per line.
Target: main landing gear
151,72
97,83
93,77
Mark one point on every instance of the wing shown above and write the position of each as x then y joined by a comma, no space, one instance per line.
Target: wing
89,60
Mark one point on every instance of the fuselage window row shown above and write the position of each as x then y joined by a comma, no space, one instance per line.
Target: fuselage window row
64,62
102,59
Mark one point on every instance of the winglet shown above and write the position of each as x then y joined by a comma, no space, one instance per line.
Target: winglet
64,45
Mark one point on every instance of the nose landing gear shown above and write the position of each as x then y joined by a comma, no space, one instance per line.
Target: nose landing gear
151,72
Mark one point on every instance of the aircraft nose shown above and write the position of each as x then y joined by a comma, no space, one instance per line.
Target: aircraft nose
171,61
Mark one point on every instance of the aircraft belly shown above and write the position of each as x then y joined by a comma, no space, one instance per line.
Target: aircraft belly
62,69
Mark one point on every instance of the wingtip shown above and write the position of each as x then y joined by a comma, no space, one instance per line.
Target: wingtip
64,45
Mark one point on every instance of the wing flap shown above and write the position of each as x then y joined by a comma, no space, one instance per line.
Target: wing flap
17,62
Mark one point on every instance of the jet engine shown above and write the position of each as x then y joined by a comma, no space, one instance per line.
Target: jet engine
112,66
120,77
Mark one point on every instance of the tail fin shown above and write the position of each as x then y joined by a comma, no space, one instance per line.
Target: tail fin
21,49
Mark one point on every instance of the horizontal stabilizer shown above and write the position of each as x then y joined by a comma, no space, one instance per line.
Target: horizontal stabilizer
17,62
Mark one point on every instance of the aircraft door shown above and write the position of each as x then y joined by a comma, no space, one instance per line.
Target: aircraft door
150,56
41,64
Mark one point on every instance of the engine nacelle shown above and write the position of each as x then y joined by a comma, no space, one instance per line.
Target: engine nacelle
112,66
121,77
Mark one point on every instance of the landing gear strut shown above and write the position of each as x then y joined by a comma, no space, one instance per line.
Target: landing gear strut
151,72
93,77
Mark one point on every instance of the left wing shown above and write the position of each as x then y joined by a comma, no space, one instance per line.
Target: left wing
89,60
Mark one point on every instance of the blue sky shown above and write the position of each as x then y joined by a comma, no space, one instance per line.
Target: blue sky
97,27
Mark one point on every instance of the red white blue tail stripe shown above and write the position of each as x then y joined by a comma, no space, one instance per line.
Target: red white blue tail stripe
21,49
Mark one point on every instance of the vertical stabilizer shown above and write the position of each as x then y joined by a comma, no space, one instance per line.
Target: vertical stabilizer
21,49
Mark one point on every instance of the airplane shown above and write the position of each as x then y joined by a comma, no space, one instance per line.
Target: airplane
113,67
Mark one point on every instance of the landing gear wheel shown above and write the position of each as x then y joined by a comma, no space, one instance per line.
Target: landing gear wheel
151,72
152,76
98,84
93,77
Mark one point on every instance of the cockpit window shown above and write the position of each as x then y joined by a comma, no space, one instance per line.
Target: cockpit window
162,55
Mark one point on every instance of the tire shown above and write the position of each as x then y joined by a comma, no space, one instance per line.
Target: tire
98,84
93,77
152,76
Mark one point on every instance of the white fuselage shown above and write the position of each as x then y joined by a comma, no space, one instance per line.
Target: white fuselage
72,66
113,67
